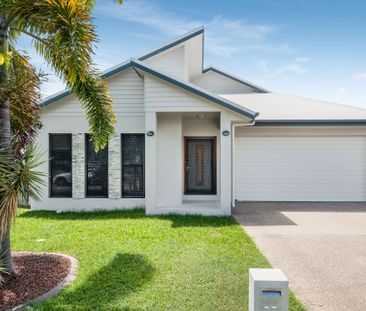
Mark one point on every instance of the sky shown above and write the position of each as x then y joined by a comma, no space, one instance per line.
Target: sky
310,48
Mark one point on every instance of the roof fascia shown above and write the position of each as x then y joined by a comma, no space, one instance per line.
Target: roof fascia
324,122
172,44
104,75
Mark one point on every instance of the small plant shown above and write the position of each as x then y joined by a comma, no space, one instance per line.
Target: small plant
18,177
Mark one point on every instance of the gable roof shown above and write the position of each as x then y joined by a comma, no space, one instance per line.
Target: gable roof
275,109
138,64
221,72
122,66
134,63
195,89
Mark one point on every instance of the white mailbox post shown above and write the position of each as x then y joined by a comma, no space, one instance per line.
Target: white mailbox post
268,290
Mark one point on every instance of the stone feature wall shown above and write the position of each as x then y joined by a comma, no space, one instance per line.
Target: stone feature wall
114,167
78,166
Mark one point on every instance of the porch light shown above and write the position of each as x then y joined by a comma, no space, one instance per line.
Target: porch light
225,133
150,133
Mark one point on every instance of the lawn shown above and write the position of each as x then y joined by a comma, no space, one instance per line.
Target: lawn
129,261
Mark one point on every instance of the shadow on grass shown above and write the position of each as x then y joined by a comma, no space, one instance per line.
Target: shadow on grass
176,220
103,289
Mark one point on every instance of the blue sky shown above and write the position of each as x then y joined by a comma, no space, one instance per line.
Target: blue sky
309,48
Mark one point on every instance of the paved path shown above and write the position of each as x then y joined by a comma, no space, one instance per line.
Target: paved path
321,248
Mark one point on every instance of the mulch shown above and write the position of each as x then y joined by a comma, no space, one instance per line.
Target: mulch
36,274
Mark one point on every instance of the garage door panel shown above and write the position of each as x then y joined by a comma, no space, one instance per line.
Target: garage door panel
300,168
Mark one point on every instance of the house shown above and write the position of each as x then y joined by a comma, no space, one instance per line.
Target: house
196,140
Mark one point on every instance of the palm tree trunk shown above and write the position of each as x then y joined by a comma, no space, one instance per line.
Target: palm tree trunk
5,255
6,260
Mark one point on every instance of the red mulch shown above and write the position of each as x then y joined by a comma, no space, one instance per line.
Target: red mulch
36,274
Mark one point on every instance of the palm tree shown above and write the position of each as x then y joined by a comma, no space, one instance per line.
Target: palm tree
63,33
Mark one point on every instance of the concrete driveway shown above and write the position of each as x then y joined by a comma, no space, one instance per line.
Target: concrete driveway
321,248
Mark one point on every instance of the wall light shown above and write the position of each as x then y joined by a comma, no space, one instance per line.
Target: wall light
225,133
150,133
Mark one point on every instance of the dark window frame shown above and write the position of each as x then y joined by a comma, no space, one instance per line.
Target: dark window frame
124,196
86,171
50,176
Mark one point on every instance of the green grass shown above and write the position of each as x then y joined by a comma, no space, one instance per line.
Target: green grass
129,261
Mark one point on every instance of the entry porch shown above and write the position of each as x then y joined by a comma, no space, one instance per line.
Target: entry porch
188,163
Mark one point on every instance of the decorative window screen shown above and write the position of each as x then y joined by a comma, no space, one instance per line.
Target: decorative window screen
200,175
60,181
96,170
133,165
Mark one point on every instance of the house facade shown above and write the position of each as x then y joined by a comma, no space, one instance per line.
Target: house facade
190,140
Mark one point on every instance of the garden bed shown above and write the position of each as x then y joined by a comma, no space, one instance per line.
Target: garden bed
36,274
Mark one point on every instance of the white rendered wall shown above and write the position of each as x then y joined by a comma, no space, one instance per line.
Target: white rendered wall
67,116
169,161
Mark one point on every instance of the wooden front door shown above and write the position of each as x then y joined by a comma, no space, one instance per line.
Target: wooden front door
200,165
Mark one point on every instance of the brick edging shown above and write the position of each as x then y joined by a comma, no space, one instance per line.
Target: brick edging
66,281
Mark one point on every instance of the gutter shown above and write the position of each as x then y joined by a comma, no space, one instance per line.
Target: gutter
233,127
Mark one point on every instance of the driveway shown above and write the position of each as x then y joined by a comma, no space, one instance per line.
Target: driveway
321,248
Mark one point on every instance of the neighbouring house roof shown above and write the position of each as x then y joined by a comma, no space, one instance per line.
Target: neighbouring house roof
281,109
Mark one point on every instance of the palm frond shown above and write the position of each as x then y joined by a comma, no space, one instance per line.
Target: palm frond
65,37
24,97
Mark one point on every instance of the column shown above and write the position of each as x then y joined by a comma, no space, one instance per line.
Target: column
150,162
225,152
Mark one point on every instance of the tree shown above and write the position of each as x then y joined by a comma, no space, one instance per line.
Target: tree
63,33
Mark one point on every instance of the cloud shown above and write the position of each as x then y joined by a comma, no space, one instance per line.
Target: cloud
263,64
302,59
151,15
342,89
292,68
360,76
224,36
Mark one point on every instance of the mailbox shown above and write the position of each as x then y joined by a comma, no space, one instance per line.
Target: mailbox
268,290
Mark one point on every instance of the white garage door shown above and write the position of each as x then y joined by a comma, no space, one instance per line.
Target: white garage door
300,168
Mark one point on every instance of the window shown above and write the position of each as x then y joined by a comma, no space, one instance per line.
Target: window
60,165
96,170
133,162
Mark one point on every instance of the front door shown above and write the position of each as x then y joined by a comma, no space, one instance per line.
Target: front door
200,165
